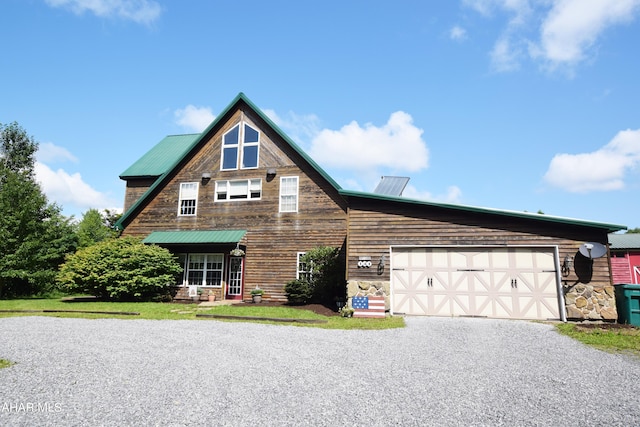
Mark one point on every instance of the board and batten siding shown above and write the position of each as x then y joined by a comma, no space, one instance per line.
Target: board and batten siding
374,226
273,239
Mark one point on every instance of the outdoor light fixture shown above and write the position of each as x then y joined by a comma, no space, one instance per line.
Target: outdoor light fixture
380,268
271,172
206,177
567,265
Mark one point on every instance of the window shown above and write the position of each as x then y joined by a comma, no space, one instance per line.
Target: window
289,194
303,272
240,146
203,270
188,198
238,190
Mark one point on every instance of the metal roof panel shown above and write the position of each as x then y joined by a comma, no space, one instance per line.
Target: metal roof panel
161,157
624,241
195,236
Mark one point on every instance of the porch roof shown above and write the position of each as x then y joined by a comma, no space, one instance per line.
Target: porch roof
195,236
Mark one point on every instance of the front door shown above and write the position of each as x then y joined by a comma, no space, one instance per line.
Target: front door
234,284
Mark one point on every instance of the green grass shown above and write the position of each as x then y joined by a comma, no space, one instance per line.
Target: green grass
615,340
173,311
4,363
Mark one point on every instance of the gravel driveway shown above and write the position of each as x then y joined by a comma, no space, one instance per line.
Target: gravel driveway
436,371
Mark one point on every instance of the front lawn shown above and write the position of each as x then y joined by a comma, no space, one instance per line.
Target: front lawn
175,311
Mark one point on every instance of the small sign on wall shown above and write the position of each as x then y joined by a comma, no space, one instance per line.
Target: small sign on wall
364,262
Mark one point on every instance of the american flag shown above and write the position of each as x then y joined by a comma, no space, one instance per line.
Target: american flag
368,306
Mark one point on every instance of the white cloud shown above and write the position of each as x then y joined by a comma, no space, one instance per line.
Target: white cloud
601,170
553,32
139,11
70,191
452,195
194,118
457,33
573,26
300,128
50,153
397,145
504,57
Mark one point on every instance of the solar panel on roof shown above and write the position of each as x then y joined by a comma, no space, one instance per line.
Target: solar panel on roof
391,185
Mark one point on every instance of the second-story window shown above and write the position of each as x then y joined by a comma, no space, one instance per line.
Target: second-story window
241,189
240,148
188,198
289,194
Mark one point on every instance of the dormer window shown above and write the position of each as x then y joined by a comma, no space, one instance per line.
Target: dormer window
240,146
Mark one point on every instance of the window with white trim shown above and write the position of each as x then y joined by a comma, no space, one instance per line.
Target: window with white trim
240,148
289,194
204,270
241,189
303,271
188,199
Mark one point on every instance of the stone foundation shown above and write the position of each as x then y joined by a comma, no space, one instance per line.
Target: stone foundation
366,288
586,302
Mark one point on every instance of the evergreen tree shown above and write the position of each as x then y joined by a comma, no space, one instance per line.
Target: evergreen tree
34,235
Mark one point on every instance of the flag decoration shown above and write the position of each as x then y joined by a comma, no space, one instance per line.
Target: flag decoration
371,306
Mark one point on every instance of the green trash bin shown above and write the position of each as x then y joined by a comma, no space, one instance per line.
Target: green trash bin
628,303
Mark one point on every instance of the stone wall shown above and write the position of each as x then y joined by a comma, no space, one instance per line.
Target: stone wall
587,302
364,288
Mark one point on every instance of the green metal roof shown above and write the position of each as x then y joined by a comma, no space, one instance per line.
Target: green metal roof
195,236
624,241
172,150
169,163
161,157
507,213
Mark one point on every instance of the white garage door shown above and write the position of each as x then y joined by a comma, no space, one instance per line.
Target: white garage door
514,283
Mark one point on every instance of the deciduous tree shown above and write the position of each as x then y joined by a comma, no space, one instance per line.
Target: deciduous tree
34,235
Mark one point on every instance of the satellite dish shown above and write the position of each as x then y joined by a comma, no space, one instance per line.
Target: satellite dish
593,250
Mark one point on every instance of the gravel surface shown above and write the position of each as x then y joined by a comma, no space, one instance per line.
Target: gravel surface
436,371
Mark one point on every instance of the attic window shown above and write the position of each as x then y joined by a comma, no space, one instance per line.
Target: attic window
240,146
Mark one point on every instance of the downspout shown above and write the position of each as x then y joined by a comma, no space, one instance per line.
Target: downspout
560,288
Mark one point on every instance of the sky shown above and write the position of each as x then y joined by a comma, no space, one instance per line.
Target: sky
521,105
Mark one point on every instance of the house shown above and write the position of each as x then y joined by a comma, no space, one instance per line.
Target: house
625,258
243,187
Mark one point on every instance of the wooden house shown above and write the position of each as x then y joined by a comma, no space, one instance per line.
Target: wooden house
240,202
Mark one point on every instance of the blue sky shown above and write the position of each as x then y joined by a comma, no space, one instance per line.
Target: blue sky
522,105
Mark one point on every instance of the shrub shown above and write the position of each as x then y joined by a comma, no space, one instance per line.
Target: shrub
298,291
327,274
120,269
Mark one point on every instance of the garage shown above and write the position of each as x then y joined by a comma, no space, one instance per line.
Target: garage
497,282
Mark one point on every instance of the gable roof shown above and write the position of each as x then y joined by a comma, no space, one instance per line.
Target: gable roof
169,153
499,212
191,142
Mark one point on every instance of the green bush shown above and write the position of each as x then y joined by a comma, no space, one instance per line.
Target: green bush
327,274
298,291
324,282
122,269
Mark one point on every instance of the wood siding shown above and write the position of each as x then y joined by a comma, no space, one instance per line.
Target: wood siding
135,189
376,225
273,239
